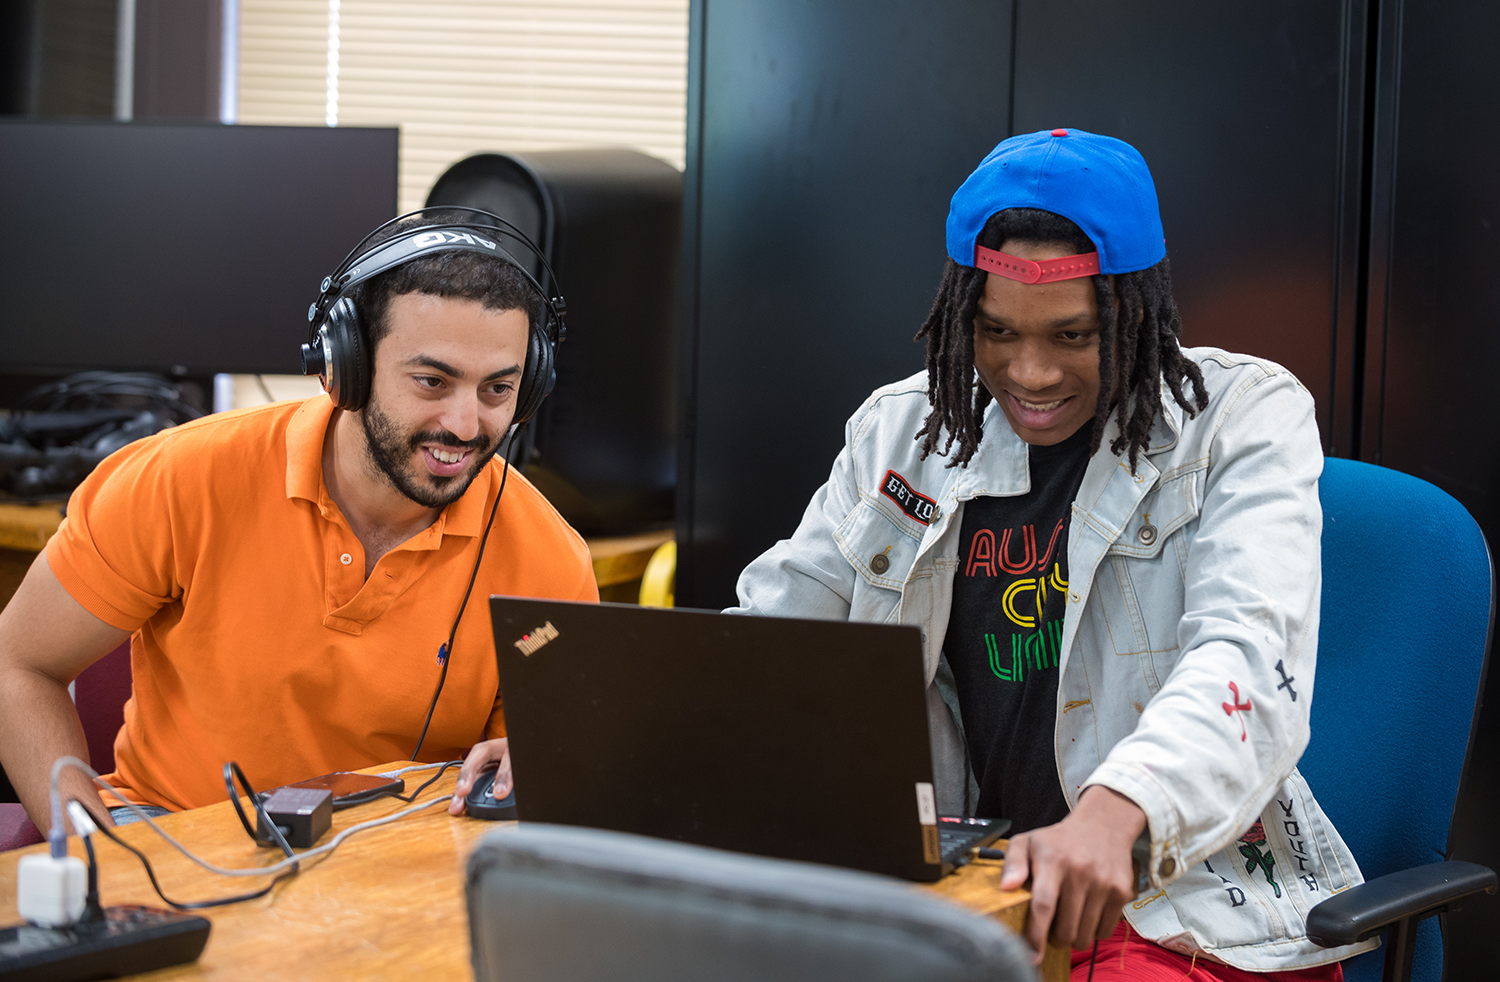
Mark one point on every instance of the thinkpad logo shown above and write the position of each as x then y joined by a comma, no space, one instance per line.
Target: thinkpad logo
530,643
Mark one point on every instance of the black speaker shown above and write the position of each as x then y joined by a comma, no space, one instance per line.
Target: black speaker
603,447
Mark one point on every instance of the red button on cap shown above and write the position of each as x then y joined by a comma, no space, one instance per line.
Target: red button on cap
1059,132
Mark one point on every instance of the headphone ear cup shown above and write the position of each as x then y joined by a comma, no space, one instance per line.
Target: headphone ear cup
347,377
539,377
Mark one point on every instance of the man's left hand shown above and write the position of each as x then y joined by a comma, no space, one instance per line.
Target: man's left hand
477,759
1079,870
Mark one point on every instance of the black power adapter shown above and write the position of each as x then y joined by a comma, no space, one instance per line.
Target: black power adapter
301,814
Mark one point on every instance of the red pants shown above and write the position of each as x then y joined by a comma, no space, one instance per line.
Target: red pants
1126,955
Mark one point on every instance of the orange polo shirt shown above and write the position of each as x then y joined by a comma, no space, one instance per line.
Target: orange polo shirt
258,638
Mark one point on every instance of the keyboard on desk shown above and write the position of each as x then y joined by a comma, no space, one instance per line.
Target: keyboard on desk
957,836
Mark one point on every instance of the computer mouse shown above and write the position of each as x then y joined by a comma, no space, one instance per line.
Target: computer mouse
480,801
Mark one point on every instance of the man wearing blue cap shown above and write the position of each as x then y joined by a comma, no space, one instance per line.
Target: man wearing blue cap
1111,544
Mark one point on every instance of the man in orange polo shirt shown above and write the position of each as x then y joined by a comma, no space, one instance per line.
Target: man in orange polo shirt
290,575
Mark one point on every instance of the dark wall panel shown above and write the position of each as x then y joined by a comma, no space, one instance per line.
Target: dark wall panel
1435,334
1239,109
825,139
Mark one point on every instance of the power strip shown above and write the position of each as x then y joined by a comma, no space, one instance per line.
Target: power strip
128,940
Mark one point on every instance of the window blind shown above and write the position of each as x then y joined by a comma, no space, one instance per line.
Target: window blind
465,76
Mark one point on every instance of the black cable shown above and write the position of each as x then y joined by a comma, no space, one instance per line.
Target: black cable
446,651
409,798
1091,960
92,911
232,771
192,904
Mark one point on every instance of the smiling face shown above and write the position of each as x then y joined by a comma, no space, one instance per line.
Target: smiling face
443,394
1036,349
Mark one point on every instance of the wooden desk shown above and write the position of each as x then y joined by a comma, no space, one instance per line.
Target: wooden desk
388,904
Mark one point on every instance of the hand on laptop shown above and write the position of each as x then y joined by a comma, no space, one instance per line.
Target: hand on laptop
1079,870
478,757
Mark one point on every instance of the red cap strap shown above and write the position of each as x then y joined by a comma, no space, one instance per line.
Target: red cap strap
1046,271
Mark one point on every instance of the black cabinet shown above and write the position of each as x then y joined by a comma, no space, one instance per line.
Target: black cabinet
824,140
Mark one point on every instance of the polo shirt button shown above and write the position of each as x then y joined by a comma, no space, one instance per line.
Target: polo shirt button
346,559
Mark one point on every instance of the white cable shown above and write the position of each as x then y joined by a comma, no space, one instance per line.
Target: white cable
83,822
322,850
419,767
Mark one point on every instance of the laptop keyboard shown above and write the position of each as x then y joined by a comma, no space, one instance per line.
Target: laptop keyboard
956,836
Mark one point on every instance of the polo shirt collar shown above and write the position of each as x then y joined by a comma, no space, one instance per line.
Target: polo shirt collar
304,472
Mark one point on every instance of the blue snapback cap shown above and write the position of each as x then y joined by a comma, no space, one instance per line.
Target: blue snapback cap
1100,183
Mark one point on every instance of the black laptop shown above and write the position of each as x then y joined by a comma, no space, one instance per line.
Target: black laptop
797,739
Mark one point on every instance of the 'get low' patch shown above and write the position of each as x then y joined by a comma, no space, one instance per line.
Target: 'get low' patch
917,507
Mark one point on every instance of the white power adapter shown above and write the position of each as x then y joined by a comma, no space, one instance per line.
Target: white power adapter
51,891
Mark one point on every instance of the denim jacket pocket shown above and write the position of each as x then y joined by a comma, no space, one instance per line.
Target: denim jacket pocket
879,550
1165,509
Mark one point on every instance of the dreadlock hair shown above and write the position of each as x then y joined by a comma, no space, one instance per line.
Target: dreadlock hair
1139,326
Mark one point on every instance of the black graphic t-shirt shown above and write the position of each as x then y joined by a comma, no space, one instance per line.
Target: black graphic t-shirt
1005,632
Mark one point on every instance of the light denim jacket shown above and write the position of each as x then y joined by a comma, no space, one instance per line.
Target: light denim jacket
1192,619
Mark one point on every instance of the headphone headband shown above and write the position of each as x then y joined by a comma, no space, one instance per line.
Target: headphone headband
337,348
422,240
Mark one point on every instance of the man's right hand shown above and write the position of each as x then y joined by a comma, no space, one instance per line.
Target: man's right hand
480,756
46,639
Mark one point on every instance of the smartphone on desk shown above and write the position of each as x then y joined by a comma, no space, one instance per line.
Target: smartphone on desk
348,788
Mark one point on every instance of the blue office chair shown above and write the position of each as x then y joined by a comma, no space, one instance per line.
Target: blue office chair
1408,594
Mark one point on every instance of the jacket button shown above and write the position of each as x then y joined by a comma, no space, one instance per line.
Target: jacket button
1168,867
1147,534
879,564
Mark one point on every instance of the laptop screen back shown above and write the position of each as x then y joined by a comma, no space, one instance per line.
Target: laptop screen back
791,738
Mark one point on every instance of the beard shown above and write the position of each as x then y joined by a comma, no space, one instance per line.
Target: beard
391,451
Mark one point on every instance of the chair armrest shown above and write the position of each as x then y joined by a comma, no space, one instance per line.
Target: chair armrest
1360,912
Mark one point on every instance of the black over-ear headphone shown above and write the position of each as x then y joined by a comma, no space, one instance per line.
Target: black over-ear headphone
338,345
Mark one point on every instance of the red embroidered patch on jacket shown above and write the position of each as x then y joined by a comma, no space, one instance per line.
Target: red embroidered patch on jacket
917,507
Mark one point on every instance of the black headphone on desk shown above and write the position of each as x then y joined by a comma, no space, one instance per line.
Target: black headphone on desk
338,345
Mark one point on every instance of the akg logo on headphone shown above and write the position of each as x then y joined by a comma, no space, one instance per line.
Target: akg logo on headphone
444,238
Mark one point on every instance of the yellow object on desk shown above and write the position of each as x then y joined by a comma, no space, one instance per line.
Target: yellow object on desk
28,527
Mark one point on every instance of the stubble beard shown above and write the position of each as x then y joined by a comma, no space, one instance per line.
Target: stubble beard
391,451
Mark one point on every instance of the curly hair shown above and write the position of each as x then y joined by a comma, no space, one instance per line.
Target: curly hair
494,282
1138,350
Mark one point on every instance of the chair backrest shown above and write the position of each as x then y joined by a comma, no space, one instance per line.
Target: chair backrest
100,693
1407,598
549,903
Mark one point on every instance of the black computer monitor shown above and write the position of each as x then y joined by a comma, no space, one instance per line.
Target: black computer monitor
185,248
